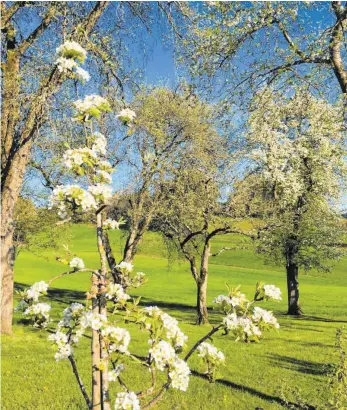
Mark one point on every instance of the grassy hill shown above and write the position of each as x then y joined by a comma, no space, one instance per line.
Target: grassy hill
298,357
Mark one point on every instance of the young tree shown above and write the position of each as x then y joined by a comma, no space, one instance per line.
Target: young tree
299,160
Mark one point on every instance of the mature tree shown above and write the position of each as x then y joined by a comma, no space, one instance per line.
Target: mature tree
248,44
191,213
167,123
299,161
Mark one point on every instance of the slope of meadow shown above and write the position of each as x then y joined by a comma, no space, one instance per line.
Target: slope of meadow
295,360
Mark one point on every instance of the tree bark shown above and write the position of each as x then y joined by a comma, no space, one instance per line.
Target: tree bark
96,359
105,401
293,289
336,42
202,314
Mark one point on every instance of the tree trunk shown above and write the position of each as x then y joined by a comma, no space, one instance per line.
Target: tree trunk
105,401
7,260
9,197
128,254
202,314
293,289
96,359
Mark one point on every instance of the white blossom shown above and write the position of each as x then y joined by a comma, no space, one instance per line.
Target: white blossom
119,338
102,177
76,263
39,312
127,401
101,192
94,320
210,352
162,353
65,65
99,143
241,326
112,224
265,316
91,106
82,74
36,290
72,50
73,159
116,291
126,115
114,373
179,374
271,292
71,314
125,267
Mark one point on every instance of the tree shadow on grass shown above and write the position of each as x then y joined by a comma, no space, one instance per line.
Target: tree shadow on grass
302,366
65,296
318,319
254,392
189,311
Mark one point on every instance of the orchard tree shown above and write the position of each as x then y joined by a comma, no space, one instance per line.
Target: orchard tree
241,46
170,126
299,160
191,213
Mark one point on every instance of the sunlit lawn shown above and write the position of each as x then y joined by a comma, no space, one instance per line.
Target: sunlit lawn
298,358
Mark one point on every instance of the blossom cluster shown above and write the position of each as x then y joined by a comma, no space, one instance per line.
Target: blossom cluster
64,347
271,292
70,54
78,198
242,327
112,224
125,267
39,313
116,293
126,116
127,401
114,373
164,325
210,353
35,291
91,106
243,320
164,356
76,263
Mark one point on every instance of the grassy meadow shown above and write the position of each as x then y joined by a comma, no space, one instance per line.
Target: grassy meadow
296,360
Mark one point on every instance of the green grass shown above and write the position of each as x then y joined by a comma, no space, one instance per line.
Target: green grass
298,357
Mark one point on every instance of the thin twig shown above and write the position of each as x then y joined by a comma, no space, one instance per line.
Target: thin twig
79,381
197,344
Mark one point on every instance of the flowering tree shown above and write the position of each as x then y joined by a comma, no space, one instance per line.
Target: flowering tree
172,126
108,302
192,216
297,42
299,164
